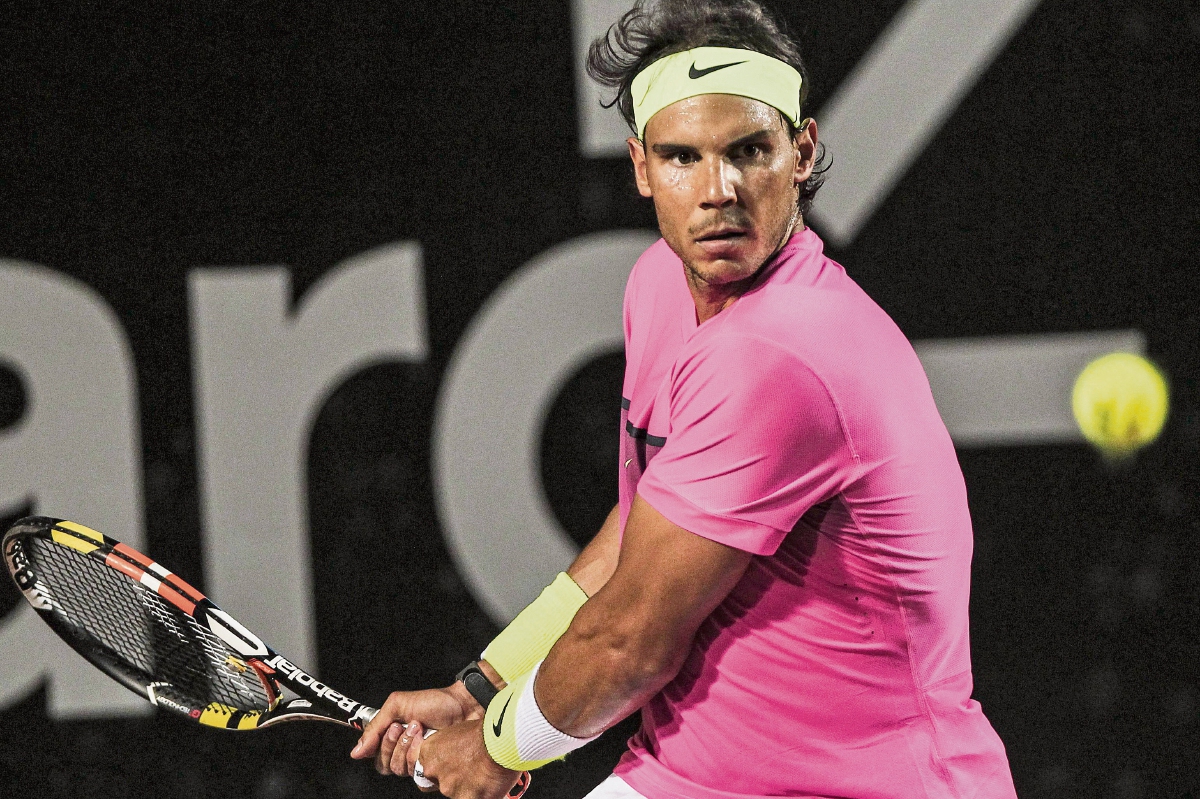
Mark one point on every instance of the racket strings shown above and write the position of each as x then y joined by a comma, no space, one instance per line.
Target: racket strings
147,638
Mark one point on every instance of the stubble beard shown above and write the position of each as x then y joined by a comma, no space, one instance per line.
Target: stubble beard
700,280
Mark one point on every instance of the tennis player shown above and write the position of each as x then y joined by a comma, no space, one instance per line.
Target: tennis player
782,590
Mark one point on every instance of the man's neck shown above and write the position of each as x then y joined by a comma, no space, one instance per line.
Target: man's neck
711,300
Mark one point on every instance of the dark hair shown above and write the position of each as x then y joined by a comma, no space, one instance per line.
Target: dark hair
653,29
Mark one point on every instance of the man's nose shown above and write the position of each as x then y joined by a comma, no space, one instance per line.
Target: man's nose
720,187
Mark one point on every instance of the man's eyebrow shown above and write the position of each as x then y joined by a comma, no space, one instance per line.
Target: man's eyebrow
670,149
666,148
757,135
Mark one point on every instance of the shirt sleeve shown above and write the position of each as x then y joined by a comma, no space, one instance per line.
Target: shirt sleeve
755,440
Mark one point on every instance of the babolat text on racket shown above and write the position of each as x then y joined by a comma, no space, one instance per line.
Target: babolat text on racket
161,638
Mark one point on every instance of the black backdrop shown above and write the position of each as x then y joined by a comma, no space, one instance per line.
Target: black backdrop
140,143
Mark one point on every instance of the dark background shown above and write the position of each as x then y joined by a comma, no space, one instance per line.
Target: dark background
139,143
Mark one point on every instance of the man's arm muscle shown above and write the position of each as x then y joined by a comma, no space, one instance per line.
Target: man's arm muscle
633,635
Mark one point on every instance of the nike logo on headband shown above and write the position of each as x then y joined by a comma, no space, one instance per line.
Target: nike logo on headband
498,724
694,73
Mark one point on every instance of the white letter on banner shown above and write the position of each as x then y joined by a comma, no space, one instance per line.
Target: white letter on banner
1013,390
883,114
552,315
74,454
602,131
262,373
898,97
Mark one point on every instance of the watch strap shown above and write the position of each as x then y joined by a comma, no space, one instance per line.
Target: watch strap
477,684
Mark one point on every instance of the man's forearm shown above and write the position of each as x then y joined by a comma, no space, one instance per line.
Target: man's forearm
603,669
596,563
590,570
633,635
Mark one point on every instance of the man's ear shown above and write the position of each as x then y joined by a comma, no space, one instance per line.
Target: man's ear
806,150
637,154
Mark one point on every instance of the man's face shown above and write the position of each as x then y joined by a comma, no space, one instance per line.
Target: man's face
724,177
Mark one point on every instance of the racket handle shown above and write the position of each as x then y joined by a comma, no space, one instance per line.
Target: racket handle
419,773
369,714
516,792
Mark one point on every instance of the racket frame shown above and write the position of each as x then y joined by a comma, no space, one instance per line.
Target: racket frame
313,701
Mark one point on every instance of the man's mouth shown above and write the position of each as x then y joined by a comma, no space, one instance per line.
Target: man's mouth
723,234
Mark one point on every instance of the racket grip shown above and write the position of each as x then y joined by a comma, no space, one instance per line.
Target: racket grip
422,781
419,773
418,777
516,792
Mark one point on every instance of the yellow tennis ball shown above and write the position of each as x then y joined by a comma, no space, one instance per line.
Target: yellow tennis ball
1120,402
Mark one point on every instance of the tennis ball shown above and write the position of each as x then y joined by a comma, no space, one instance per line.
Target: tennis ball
1120,402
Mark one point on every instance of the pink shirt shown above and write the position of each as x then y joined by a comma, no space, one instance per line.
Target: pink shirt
798,425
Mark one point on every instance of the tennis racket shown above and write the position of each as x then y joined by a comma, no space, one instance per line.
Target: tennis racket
164,640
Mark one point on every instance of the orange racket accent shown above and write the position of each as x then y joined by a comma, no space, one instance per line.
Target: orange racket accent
264,673
175,598
518,790
183,588
133,555
124,566
171,580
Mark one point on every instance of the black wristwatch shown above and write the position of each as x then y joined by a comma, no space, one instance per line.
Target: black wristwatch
477,684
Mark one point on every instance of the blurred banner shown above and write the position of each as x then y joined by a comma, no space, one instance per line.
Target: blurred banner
322,308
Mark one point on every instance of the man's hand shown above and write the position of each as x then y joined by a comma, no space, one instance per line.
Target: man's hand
459,764
387,738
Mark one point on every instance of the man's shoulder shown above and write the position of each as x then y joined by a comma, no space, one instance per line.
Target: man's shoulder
831,328
820,318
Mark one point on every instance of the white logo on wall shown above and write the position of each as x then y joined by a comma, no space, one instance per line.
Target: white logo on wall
263,369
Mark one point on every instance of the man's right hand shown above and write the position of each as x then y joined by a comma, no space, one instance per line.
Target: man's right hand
387,738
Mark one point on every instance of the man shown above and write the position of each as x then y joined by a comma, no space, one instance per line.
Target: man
782,589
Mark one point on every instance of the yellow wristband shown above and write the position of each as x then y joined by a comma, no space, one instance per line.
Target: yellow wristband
500,727
532,633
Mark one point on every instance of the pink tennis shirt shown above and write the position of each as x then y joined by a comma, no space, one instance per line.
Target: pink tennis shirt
798,425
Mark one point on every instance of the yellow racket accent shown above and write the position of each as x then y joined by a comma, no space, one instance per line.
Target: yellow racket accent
96,536
217,715
250,720
77,541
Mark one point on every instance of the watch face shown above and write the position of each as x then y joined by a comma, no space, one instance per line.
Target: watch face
477,684
477,681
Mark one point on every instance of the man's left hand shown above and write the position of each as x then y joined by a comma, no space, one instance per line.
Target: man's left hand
459,764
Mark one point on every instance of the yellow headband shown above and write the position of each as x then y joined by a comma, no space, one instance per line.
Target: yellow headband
715,70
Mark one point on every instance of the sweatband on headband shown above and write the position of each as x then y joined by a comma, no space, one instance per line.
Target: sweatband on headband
517,735
715,70
533,632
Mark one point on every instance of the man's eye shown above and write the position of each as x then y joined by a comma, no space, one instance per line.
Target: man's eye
750,151
684,158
